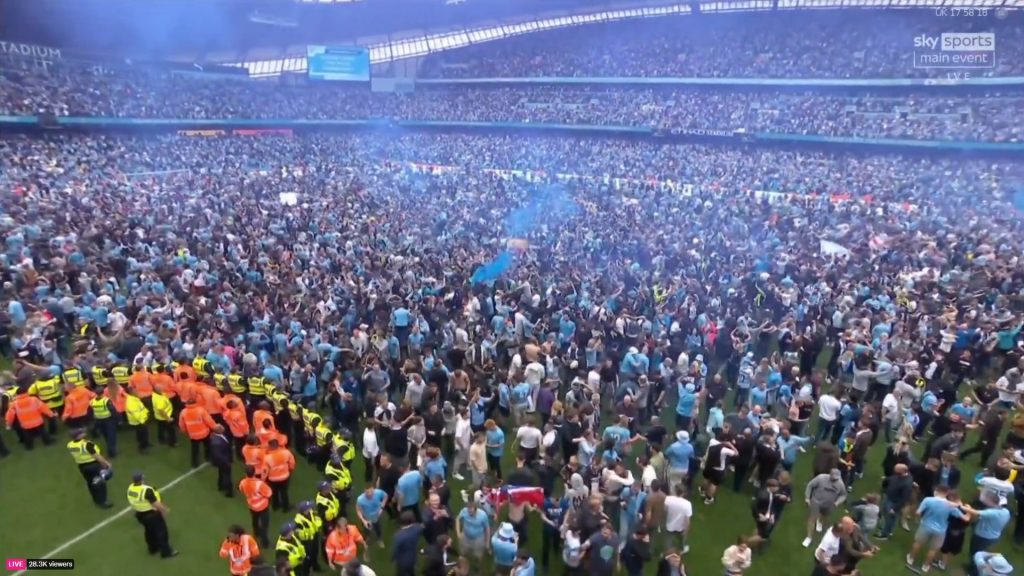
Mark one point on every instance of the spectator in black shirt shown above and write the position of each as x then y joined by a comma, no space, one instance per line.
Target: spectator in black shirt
433,421
898,489
988,435
744,444
387,480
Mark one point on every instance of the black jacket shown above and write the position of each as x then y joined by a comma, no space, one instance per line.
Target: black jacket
434,561
899,489
220,450
636,553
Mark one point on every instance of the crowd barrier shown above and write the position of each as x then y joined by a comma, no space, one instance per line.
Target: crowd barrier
215,127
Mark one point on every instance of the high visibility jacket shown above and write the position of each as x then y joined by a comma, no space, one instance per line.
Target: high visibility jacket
293,548
253,455
226,399
80,451
341,546
210,398
323,435
256,386
184,372
164,384
137,497
237,422
236,384
73,377
344,448
97,375
195,421
136,411
29,411
328,506
239,554
101,407
76,404
200,364
49,391
310,421
218,382
121,374
162,408
278,464
257,493
116,399
277,398
309,525
187,389
259,417
339,476
265,436
142,383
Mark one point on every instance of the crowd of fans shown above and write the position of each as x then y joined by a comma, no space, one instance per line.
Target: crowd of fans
440,294
990,117
800,44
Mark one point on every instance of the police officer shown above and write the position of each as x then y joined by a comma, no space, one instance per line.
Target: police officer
50,390
341,481
327,505
309,527
290,549
94,467
150,511
104,417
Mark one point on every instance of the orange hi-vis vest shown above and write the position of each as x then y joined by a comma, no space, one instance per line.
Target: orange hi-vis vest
278,465
341,546
164,384
209,397
76,403
257,493
142,383
117,399
29,411
239,554
196,422
253,455
237,422
227,398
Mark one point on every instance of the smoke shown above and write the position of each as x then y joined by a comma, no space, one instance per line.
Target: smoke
538,221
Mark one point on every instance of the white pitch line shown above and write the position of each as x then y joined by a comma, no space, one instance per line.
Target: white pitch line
112,519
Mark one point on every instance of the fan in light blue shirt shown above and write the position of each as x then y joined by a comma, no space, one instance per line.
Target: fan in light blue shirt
410,486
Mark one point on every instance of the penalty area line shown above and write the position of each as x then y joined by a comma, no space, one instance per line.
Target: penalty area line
108,521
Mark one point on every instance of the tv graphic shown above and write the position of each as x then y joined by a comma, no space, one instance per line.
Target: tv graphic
955,51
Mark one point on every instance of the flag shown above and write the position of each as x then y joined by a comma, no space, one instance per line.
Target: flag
521,495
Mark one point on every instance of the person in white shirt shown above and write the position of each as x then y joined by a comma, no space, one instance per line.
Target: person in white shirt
831,541
534,375
736,558
371,449
678,512
463,440
828,413
891,415
528,438
1009,388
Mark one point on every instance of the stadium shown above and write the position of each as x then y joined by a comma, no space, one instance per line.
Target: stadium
519,287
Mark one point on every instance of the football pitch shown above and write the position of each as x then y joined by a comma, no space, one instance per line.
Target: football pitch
47,512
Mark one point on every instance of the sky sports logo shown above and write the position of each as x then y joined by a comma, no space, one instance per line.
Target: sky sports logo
955,50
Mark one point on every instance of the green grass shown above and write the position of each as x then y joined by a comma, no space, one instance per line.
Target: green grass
45,504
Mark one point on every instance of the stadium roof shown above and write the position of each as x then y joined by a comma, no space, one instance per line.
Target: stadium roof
205,30
273,34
